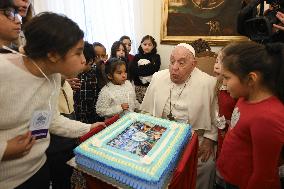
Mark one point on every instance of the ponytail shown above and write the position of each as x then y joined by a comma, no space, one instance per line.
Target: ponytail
276,54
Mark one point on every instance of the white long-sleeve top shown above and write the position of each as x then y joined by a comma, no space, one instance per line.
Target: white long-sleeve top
21,94
112,96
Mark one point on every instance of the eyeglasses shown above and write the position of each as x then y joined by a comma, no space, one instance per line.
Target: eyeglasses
10,13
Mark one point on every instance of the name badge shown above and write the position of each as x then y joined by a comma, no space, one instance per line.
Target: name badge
40,123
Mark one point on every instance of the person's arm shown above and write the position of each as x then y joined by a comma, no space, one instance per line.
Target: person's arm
266,150
213,133
149,69
206,148
65,127
104,105
148,104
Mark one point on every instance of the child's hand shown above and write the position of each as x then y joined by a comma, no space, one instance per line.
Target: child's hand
75,83
19,146
206,149
280,16
125,106
97,124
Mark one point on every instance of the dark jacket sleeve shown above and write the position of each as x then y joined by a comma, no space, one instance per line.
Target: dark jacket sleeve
149,69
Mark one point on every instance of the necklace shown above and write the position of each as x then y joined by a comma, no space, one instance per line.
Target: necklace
53,92
170,115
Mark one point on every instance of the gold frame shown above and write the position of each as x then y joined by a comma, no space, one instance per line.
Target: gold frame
212,40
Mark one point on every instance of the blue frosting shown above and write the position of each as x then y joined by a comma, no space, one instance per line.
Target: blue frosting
123,173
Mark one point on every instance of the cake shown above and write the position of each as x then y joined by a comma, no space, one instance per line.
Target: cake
137,151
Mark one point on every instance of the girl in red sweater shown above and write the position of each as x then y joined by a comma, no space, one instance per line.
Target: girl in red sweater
251,151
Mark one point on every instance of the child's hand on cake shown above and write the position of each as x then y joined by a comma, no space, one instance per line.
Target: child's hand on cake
19,146
125,106
94,125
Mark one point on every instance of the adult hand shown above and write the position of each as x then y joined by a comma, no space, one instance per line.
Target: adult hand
19,146
206,149
75,83
280,16
97,124
125,106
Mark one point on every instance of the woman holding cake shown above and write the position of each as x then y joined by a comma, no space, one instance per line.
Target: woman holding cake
30,85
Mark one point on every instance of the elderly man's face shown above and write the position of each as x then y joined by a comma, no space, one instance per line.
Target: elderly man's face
182,62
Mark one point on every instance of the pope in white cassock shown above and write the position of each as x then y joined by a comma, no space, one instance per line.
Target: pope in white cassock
184,93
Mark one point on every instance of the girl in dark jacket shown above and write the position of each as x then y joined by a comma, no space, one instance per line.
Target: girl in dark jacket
144,65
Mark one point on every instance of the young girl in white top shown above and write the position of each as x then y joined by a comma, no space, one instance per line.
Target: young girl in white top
30,86
118,95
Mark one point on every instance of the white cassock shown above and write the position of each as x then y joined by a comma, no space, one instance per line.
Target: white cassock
193,102
196,103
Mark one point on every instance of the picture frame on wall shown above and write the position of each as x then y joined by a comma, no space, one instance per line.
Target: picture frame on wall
214,21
